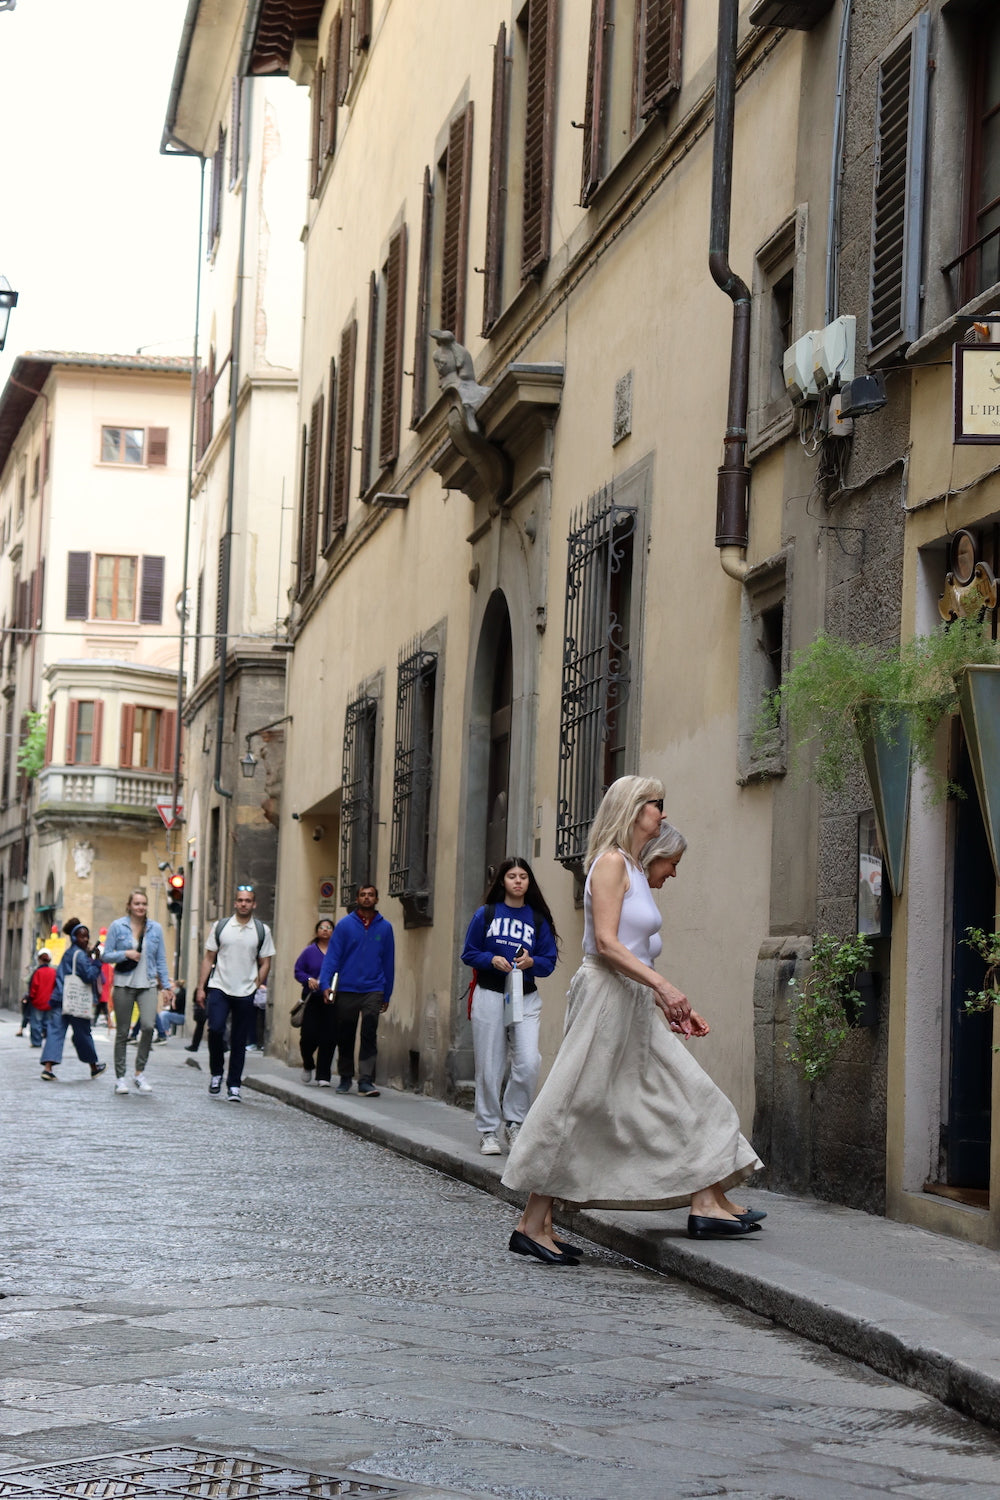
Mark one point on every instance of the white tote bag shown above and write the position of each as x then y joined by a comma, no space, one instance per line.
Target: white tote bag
78,997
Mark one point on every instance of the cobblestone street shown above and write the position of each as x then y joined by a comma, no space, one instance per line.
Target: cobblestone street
182,1272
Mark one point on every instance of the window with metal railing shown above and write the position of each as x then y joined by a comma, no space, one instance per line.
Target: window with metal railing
594,747
410,877
357,809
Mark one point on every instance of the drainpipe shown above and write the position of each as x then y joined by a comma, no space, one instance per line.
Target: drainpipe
731,529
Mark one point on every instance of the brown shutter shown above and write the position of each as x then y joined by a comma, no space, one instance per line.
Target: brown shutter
24,606
317,148
151,591
127,731
332,75
539,119
72,717
78,586
331,443
341,466
423,301
167,739
95,739
156,454
455,244
234,131
392,358
662,29
37,595
593,118
363,28
307,554
346,55
50,734
496,197
368,415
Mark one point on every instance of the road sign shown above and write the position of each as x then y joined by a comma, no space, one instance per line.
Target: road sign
171,812
326,893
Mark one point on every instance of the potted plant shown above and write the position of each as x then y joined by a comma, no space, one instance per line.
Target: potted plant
826,1005
987,945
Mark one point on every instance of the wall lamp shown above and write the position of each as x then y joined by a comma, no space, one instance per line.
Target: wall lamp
8,299
248,762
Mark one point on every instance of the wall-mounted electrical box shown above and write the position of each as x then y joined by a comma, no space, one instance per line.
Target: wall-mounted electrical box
833,353
797,365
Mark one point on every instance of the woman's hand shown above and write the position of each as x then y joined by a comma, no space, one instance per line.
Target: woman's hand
675,1006
500,964
525,961
699,1026
133,953
313,984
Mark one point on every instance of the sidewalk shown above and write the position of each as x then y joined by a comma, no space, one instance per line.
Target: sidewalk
918,1307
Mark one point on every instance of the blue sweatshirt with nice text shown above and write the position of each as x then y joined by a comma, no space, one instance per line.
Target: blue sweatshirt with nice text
512,927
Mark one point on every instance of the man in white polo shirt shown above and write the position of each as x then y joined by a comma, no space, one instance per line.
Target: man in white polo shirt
237,960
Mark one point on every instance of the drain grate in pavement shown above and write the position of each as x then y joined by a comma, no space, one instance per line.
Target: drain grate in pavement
178,1474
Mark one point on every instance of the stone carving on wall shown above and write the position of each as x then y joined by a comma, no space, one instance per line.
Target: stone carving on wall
83,860
457,375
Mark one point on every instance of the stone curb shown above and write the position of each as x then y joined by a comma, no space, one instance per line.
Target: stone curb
874,1329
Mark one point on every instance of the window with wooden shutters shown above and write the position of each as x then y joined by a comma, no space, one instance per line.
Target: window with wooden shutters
50,734
897,216
143,738
413,774
84,721
539,122
114,587
342,433
151,591
204,396
661,27
199,614
979,262
77,585
371,372
156,447
497,188
235,121
8,748
317,101
221,622
166,739
392,356
363,25
215,191
332,76
357,807
421,353
455,245
593,115
310,497
346,54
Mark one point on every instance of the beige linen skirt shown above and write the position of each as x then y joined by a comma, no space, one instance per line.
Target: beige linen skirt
626,1118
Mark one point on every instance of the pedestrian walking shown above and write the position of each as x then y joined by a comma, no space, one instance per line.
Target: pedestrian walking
237,961
78,961
200,1015
318,1034
40,987
512,934
136,949
362,955
627,1118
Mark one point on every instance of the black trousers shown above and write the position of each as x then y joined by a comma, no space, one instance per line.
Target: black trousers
349,1008
318,1037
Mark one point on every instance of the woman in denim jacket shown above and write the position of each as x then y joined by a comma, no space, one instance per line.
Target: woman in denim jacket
136,948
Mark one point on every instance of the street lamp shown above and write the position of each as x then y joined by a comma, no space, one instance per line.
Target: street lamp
8,299
248,762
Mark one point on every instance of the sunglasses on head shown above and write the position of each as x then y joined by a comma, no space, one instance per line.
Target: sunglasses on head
654,802
250,887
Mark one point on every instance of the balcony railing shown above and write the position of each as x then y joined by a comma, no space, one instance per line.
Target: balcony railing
102,786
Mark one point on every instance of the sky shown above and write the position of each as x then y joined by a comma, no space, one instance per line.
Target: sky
98,231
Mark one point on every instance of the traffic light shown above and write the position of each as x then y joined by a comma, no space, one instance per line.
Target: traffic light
175,895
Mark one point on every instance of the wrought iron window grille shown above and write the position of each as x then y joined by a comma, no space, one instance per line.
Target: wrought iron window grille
409,866
357,812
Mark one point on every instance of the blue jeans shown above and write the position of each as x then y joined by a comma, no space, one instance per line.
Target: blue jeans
38,1021
82,1040
238,1010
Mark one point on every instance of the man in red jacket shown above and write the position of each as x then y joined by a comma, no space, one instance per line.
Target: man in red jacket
40,988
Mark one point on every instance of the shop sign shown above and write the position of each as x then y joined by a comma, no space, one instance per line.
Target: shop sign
977,393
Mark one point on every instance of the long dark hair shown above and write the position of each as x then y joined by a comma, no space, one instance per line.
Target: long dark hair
533,896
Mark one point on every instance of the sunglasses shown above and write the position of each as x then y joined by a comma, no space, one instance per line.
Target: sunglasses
654,802
250,887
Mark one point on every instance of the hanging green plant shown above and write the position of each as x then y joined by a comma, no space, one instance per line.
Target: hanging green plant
987,945
31,755
825,1004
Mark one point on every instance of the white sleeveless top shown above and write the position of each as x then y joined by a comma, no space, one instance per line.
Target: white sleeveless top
639,924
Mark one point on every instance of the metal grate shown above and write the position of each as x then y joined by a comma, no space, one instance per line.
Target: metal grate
358,796
409,873
172,1473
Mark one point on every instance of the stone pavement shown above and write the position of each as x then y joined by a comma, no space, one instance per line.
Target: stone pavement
919,1307
205,1301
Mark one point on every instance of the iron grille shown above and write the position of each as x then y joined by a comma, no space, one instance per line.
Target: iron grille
357,811
409,872
596,677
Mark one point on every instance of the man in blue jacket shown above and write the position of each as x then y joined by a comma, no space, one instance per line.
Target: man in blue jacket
362,954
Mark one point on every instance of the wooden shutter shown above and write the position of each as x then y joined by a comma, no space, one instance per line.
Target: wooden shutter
340,463
24,588
220,612
310,529
346,55
199,613
897,214
72,719
455,244
317,102
392,355
151,591
593,116
127,732
156,447
363,25
50,734
37,595
423,301
167,739
215,191
331,444
368,414
234,131
332,75
78,586
662,30
95,738
539,119
496,194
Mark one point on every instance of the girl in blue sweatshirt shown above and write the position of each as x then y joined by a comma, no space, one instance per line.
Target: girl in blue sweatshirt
513,929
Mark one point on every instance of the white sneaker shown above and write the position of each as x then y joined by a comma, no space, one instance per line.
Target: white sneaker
322,1083
511,1130
489,1145
121,1086
307,1075
141,1086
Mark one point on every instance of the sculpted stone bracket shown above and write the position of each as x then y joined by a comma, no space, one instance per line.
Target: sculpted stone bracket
490,426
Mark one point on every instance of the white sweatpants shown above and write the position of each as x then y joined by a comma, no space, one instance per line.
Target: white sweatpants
492,1043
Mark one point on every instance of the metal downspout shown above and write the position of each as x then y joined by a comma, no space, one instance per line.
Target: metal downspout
731,521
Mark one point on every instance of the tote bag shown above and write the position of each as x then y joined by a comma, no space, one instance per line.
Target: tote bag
78,997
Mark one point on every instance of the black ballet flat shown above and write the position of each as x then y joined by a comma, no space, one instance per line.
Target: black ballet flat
520,1244
751,1216
700,1227
568,1249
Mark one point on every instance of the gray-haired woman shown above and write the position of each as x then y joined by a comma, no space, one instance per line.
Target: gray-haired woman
627,1118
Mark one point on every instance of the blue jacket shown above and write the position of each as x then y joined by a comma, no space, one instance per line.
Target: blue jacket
121,937
512,927
363,957
89,970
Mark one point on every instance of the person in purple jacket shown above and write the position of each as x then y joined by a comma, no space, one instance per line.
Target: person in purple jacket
362,954
514,929
317,1037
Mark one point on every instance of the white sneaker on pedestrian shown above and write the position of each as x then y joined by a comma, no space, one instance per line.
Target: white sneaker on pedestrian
121,1086
322,1083
307,1075
489,1145
511,1130
141,1086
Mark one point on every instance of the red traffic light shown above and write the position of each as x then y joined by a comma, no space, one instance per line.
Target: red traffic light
176,883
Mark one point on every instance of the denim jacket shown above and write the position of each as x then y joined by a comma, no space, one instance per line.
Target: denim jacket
121,937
